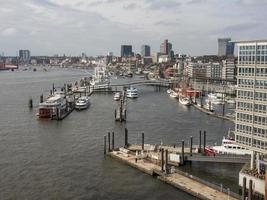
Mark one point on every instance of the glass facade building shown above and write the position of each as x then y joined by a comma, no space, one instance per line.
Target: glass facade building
145,50
126,50
251,104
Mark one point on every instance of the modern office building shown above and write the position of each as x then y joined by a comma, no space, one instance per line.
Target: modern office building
24,55
145,50
197,70
225,47
214,70
228,69
126,50
251,104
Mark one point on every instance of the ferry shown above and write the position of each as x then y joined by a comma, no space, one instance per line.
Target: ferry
132,92
228,146
117,96
49,108
82,103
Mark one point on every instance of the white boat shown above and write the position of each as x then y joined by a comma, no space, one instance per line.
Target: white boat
184,100
132,92
82,103
53,103
169,91
209,106
117,96
229,146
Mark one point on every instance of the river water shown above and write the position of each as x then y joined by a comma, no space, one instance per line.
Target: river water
43,159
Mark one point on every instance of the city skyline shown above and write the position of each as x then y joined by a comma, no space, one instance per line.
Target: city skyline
51,27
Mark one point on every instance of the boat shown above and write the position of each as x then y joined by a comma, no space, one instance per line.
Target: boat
229,146
100,77
169,91
52,105
132,92
184,100
117,96
82,103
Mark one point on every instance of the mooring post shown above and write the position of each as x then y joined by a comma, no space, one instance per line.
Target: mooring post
199,141
41,98
105,145
204,142
244,188
250,195
53,88
51,92
126,138
143,141
108,141
166,161
182,160
112,141
191,145
30,103
162,159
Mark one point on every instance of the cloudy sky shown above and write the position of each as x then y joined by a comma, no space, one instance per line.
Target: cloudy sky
48,27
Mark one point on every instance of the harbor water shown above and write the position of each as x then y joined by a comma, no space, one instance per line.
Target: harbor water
44,159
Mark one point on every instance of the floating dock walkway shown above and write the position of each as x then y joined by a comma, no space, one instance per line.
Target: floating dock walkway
163,162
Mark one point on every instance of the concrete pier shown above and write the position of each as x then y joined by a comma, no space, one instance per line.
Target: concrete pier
176,178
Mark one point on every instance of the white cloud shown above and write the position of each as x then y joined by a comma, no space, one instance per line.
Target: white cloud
9,31
99,26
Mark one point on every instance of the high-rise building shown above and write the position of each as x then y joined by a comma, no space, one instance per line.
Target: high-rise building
225,47
164,47
251,104
126,50
25,55
145,50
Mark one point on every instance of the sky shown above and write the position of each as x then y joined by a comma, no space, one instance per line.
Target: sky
96,27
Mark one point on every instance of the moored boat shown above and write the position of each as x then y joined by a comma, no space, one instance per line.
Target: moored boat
184,100
132,92
82,103
229,146
52,105
117,96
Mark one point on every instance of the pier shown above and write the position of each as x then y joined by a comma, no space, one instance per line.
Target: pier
121,110
163,161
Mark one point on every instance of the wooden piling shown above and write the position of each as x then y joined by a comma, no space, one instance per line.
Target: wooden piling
204,142
166,161
143,141
108,141
162,159
112,141
191,145
182,157
41,98
105,145
126,138
199,141
30,103
250,195
244,188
